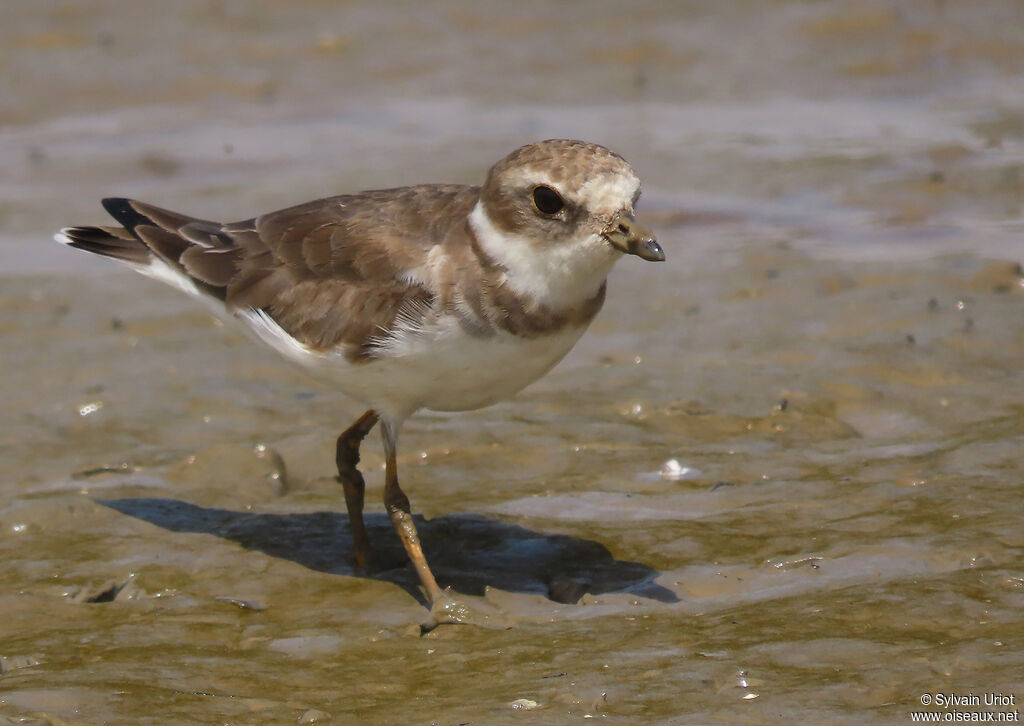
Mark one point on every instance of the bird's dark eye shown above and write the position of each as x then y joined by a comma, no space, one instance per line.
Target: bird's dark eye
547,200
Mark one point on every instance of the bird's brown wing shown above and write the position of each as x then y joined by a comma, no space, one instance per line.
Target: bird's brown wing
333,273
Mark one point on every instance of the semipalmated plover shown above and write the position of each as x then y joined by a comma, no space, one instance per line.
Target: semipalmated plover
437,296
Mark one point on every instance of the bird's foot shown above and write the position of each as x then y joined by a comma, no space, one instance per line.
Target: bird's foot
451,608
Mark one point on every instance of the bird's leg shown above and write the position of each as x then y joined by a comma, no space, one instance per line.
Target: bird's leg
443,608
347,456
397,505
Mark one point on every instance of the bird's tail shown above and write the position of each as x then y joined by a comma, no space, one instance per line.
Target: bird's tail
189,253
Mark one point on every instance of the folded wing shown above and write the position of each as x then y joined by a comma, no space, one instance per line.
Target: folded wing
334,274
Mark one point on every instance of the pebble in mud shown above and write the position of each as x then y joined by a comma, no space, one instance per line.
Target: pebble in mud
523,704
672,470
313,716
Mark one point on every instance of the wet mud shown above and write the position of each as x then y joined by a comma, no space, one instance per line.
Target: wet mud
779,478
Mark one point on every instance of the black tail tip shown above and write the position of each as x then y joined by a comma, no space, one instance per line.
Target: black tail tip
122,210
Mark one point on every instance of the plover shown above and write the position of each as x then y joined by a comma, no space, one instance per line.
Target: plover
444,297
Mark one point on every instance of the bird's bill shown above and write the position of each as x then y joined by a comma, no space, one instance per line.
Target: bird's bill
626,234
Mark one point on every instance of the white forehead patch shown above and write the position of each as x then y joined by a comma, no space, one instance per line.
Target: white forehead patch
609,193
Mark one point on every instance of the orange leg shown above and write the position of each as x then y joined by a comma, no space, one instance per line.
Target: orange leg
397,505
347,456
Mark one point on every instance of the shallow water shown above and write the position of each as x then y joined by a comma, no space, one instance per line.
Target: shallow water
778,478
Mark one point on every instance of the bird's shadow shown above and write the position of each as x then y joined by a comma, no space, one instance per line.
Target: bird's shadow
466,551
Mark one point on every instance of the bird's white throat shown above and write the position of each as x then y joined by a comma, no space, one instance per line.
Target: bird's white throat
561,275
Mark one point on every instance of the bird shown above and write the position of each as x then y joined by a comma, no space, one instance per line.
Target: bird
436,296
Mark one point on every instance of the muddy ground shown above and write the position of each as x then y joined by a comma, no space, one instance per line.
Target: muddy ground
779,478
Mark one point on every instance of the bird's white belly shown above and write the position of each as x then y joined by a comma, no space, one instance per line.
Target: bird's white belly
446,369
464,372
441,367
